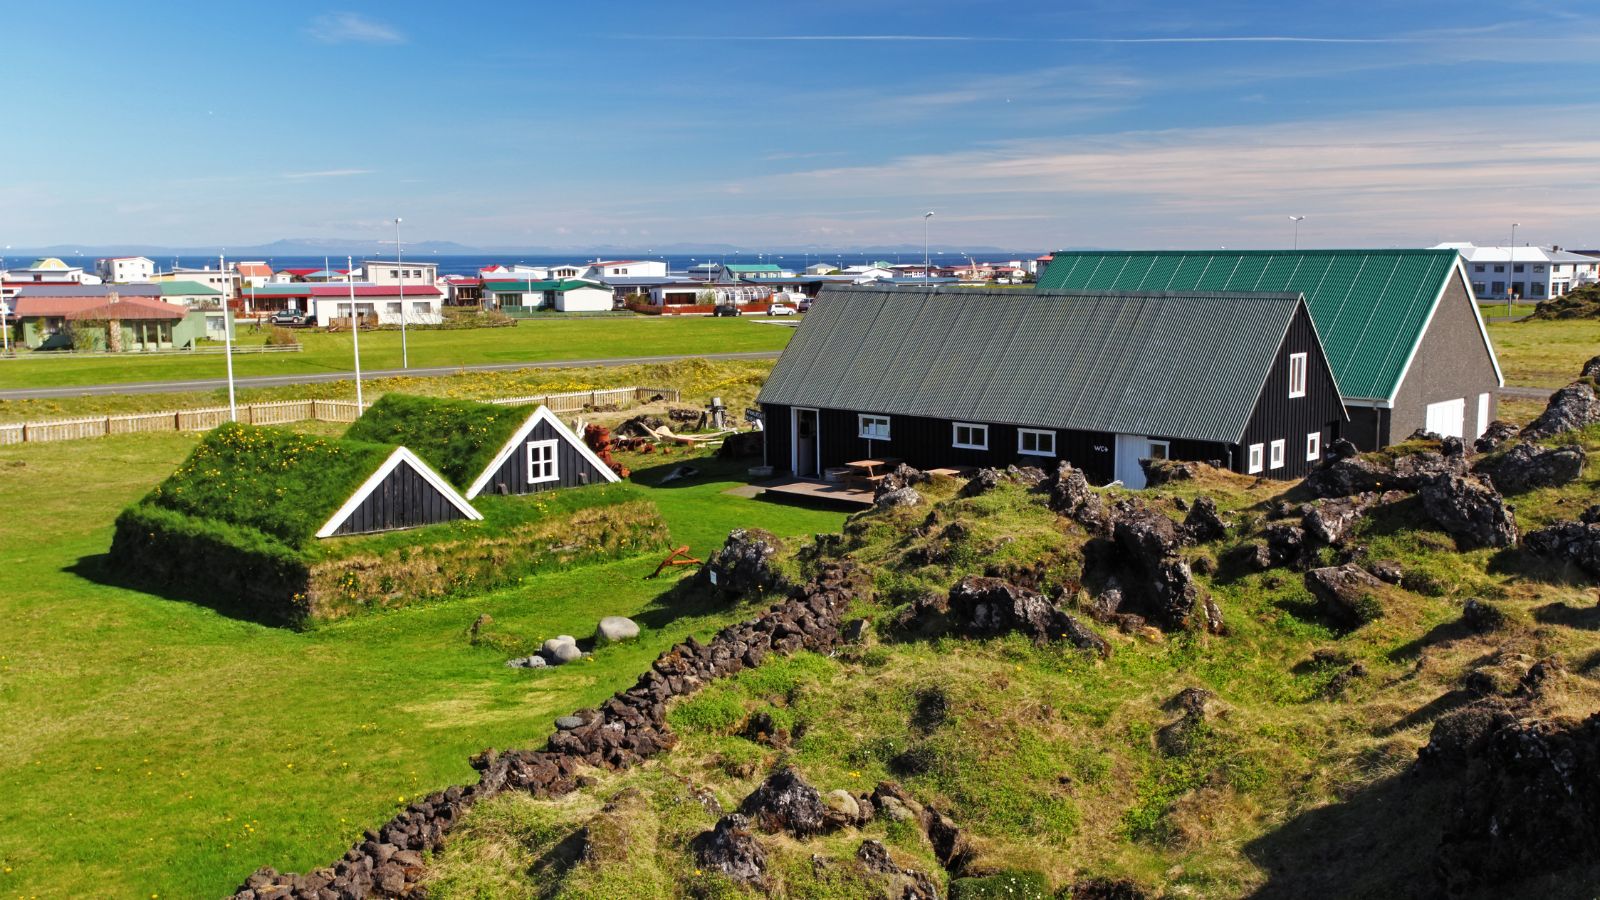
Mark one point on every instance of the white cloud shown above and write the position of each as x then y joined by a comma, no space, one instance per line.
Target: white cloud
327,173
983,39
349,27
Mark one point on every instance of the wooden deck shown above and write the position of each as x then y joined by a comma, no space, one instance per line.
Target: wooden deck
818,491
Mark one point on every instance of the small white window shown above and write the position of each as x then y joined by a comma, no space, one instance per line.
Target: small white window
1277,454
1033,442
971,437
1256,457
1158,450
1314,446
542,462
1297,375
874,428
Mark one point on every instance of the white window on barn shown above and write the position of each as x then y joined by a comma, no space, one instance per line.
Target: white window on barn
542,465
1256,458
1297,375
1314,446
1277,454
968,436
874,428
1034,442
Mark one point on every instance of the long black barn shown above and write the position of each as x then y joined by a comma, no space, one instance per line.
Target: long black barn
984,378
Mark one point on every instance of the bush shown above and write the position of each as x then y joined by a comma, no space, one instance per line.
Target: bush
281,337
1011,884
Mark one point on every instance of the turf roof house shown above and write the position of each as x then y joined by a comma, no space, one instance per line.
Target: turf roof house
943,377
1401,328
484,448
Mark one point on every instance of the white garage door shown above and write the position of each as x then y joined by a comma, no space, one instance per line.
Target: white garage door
1447,417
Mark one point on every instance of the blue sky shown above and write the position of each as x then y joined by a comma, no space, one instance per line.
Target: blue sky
1110,124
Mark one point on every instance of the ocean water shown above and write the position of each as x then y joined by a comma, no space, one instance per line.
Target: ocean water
470,264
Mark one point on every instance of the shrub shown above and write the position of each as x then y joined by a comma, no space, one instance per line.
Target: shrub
281,337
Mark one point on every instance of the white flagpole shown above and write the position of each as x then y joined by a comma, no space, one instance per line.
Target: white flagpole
405,356
227,338
355,333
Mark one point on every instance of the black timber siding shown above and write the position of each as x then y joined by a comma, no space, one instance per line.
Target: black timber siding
1452,361
404,499
572,469
776,435
1292,420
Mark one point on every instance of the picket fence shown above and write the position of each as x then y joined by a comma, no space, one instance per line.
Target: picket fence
282,412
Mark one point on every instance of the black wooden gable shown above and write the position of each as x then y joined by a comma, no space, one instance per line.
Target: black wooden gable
543,455
402,493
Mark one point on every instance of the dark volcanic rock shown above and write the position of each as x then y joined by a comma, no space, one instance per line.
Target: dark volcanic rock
1158,472
1327,523
744,564
786,802
987,607
1574,406
1527,466
906,496
1498,432
731,849
1285,544
1203,524
901,477
1346,475
1071,496
899,883
1577,543
1348,594
1471,510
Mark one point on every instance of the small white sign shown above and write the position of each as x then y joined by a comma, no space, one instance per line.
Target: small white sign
713,574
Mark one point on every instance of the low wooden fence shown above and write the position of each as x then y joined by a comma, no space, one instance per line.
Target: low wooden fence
282,412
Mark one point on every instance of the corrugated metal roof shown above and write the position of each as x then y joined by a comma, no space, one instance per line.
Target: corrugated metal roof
1187,365
1370,306
187,289
89,290
512,286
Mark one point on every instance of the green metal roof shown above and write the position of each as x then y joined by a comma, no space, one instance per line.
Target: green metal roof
752,268
187,289
1170,365
1370,306
528,287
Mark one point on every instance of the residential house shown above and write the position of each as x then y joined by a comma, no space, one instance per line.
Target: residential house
605,270
864,274
463,290
563,295
224,281
253,274
700,296
960,377
99,316
126,269
1528,273
381,304
822,268
1406,341
45,270
405,272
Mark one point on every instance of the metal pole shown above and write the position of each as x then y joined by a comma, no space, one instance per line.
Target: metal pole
1511,267
925,217
227,341
405,358
355,332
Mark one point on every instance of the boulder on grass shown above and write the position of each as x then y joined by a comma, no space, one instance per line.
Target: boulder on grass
786,802
1574,406
1471,510
1348,594
1527,466
744,563
615,629
560,650
731,849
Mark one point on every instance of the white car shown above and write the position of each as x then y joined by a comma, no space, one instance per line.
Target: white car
780,309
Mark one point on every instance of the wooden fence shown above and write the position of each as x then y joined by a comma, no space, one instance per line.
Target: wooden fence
282,412
189,351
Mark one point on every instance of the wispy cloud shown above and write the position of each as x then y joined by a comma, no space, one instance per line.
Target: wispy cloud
349,27
327,173
999,39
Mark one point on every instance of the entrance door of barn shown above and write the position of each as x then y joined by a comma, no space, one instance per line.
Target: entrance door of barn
807,462
1130,449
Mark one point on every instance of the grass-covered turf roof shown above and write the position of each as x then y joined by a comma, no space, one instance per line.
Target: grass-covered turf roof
281,483
457,437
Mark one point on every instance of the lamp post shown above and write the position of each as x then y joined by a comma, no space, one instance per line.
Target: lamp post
405,358
355,331
227,339
1297,220
925,217
1511,258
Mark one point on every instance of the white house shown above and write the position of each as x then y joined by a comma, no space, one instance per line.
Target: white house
218,279
254,273
1531,273
377,302
126,269
569,295
407,272
822,268
45,270
600,270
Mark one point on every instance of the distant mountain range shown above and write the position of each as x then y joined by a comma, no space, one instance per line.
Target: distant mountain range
344,246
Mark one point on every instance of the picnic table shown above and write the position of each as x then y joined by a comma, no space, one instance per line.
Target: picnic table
872,471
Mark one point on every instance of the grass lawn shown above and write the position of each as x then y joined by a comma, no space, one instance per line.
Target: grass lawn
1544,353
154,747
530,341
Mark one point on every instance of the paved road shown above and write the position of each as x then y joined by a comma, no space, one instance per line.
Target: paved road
260,381
1530,393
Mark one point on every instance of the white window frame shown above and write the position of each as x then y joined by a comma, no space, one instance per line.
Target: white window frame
866,426
1314,446
981,430
1040,434
547,468
1166,449
1278,454
1257,457
1297,375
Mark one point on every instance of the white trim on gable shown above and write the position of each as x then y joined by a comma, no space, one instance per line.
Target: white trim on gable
542,414
400,456
1458,270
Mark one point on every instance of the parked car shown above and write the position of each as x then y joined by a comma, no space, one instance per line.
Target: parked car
804,305
727,310
780,309
290,317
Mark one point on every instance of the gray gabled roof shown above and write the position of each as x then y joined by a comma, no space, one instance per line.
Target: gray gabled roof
1185,365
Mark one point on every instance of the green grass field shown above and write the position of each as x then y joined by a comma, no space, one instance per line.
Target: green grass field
1544,353
154,747
530,341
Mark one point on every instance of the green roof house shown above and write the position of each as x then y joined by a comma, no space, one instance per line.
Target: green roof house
1400,327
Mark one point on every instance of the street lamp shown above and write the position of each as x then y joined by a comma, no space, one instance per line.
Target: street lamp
1511,258
925,217
1297,220
405,359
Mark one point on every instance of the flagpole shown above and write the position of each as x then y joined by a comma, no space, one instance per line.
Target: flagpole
227,337
355,332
